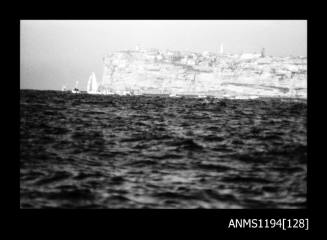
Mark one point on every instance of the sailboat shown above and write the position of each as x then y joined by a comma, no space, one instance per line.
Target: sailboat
92,85
76,90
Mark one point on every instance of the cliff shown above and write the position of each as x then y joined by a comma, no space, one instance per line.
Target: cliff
189,73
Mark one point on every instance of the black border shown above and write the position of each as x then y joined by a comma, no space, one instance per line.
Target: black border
187,220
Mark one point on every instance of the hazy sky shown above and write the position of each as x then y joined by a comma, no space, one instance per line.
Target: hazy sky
54,53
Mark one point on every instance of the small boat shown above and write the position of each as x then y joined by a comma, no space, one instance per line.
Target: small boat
174,95
241,97
76,90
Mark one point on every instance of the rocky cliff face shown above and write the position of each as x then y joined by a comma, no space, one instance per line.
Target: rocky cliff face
155,72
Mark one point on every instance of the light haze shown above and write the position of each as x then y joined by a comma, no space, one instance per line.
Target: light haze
54,53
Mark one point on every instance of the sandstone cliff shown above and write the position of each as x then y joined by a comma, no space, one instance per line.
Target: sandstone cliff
189,73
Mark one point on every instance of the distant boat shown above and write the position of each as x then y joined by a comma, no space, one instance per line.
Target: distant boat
123,93
126,93
63,88
76,90
92,85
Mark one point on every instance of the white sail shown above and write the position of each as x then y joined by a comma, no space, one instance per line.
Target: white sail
88,88
94,83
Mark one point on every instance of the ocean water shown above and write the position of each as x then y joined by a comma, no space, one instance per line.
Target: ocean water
93,151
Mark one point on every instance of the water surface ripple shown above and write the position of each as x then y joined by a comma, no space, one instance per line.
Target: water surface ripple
91,151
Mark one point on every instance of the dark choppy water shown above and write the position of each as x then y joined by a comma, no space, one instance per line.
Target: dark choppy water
156,152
